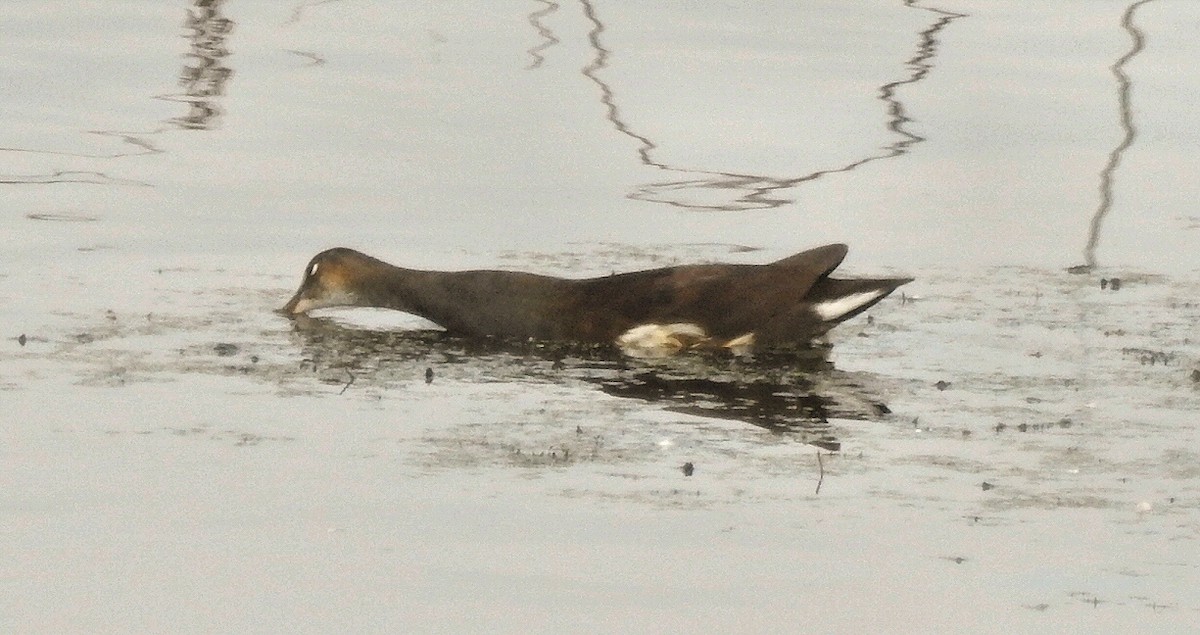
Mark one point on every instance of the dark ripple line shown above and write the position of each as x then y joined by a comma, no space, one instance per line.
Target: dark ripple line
314,59
1125,105
758,187
85,177
126,137
549,40
607,96
298,10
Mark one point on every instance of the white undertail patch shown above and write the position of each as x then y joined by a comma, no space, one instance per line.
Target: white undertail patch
831,310
660,340
742,344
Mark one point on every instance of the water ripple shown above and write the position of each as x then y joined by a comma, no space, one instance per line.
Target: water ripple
753,191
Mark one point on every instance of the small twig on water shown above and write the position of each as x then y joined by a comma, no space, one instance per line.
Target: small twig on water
347,383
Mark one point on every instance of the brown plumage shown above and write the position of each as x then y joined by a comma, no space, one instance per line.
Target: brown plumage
789,301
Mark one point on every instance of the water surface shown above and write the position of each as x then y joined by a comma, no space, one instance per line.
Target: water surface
1005,446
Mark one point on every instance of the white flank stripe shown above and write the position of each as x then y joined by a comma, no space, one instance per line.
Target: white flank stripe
833,309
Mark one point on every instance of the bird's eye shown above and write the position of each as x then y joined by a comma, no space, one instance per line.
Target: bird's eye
312,270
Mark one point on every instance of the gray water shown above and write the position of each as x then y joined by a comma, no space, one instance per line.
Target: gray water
1009,445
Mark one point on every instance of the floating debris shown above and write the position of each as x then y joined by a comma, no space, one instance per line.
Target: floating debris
225,349
428,375
21,339
688,468
942,384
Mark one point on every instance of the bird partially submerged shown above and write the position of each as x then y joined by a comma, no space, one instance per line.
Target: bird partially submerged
655,311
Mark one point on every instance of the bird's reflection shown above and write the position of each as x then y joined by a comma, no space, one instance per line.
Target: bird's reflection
789,392
1128,129
738,191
